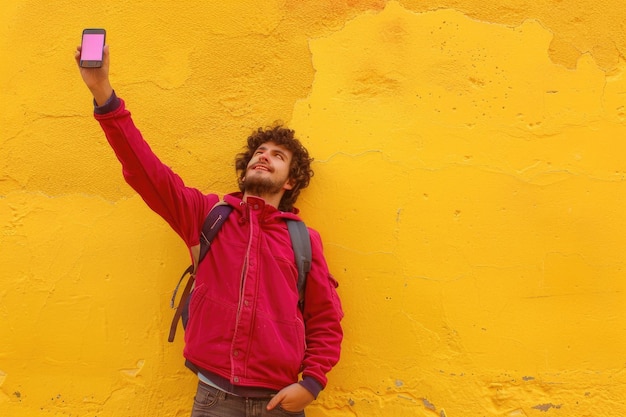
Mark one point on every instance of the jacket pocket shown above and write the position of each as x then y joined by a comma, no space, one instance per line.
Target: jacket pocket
210,326
279,345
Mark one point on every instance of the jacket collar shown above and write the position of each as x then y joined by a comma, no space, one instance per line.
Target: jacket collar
266,211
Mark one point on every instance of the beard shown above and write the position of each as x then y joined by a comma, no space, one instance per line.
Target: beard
260,187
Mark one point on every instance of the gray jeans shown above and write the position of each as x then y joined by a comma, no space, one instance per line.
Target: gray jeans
211,402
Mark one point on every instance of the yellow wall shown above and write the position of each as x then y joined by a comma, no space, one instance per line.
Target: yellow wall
470,187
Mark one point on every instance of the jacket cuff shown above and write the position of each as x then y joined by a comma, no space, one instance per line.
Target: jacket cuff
311,385
111,104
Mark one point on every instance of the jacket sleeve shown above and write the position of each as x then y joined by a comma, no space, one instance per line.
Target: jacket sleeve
322,320
163,191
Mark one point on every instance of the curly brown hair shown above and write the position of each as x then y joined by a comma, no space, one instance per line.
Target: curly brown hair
300,171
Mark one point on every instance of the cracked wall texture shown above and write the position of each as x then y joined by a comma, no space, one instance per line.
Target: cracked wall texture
470,185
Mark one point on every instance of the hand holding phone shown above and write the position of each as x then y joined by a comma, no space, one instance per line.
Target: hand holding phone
92,48
92,58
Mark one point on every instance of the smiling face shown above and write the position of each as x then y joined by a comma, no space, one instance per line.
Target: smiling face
268,146
267,173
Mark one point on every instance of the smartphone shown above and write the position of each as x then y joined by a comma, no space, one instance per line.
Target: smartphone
92,48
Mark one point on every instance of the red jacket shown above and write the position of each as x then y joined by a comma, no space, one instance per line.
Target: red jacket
245,324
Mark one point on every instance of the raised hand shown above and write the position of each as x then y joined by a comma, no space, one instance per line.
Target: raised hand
97,79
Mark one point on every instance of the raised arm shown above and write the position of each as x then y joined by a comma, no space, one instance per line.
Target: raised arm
182,207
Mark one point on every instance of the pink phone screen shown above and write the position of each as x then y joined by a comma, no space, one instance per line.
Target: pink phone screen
92,47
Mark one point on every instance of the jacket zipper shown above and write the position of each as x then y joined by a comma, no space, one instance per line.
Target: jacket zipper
244,272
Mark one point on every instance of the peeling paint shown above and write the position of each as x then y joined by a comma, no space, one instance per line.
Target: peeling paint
546,407
428,404
135,371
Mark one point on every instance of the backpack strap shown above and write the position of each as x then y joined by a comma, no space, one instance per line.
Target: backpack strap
212,224
183,301
301,243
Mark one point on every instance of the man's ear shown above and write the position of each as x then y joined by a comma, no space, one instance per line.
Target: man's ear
289,184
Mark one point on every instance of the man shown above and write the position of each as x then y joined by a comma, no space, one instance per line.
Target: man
246,336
